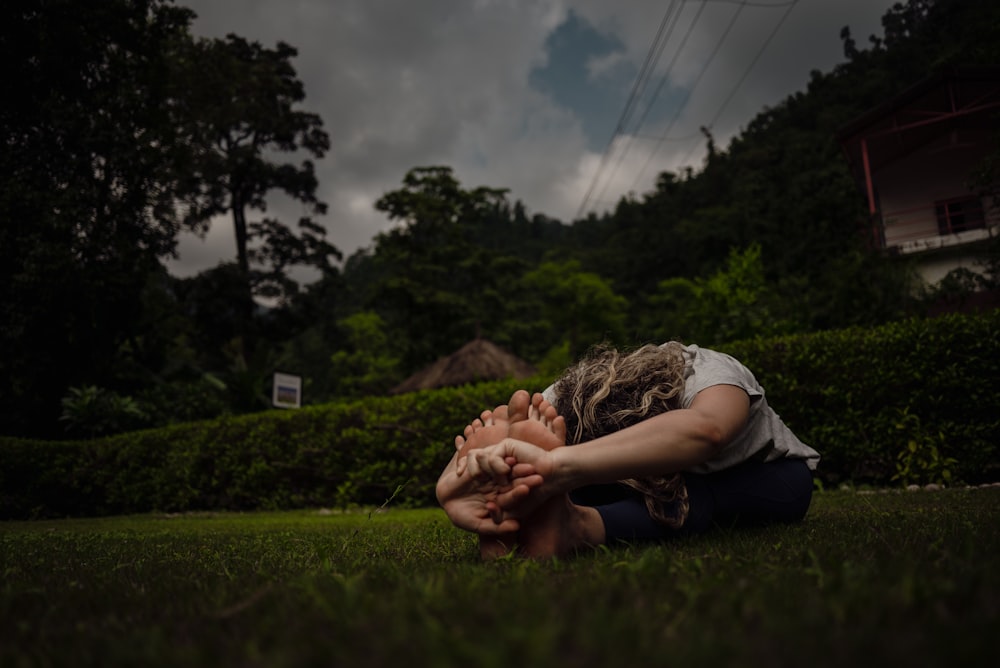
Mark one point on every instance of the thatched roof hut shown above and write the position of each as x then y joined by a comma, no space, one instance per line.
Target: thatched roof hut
476,361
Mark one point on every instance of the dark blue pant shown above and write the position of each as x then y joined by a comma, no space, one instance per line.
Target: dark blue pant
750,494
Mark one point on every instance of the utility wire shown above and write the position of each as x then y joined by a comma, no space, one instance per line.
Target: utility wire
687,95
732,93
637,89
659,88
652,55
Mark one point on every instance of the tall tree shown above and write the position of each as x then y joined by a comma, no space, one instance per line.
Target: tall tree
236,103
85,200
435,282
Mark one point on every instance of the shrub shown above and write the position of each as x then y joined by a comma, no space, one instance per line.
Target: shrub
94,411
843,392
184,400
338,454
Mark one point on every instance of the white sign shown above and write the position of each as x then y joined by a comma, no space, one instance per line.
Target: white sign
287,391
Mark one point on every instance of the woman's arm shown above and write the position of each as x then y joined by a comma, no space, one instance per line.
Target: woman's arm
665,444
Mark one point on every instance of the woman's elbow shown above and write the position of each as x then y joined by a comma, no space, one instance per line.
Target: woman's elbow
712,437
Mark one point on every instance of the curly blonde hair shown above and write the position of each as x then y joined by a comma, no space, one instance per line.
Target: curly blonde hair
608,390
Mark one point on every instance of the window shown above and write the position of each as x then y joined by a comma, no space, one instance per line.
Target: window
959,215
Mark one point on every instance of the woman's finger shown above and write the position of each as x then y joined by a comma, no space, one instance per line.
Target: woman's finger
475,467
522,471
491,462
495,511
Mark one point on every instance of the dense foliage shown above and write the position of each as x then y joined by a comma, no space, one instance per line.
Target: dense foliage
860,396
119,130
117,133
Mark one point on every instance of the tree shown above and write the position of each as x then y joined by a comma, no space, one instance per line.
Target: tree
734,303
235,102
86,203
368,365
119,129
579,307
433,280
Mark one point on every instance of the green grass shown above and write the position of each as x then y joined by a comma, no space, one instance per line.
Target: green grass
896,579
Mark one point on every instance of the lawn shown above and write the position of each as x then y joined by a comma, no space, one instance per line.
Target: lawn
886,579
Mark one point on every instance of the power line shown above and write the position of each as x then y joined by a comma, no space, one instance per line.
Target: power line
656,94
732,93
637,89
687,95
654,48
647,66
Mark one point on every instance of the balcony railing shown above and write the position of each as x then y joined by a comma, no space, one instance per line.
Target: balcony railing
936,225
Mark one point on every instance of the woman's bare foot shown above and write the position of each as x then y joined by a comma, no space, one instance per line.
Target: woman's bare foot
535,420
560,528
557,527
491,427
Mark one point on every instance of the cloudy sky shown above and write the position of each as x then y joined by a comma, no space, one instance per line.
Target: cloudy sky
526,94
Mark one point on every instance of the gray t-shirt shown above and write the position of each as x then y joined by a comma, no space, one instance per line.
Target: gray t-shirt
765,437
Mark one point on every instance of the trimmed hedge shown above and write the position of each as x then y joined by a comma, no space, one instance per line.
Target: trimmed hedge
339,454
858,396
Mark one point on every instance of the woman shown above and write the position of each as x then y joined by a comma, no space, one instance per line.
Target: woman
666,440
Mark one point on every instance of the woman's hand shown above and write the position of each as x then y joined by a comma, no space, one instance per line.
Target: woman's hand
522,475
471,503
